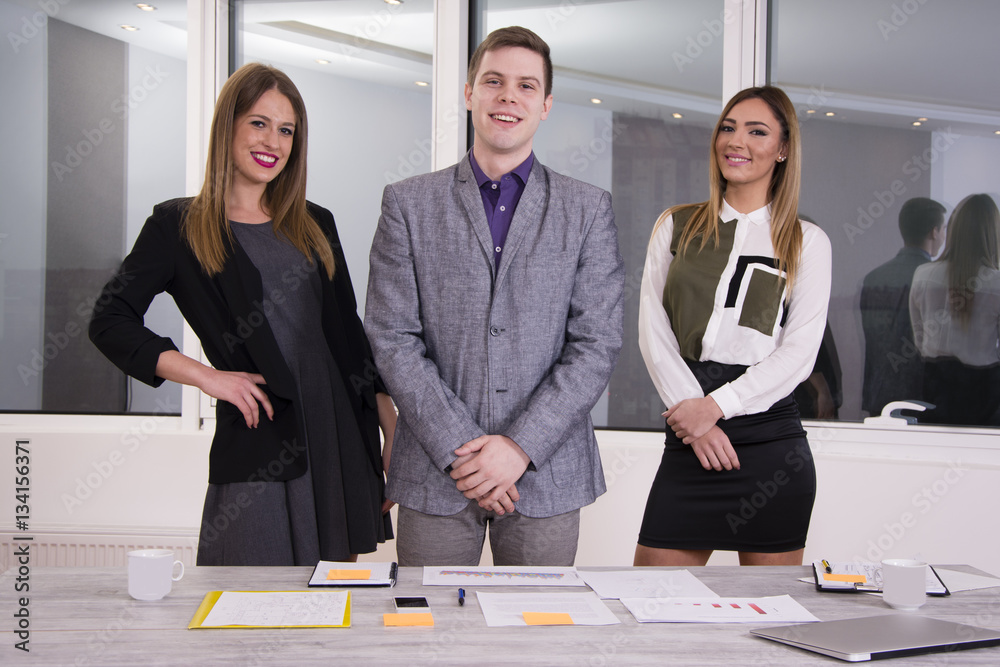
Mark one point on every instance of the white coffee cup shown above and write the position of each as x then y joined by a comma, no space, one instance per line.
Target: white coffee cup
150,573
904,583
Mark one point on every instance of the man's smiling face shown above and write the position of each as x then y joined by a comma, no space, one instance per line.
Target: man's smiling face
507,102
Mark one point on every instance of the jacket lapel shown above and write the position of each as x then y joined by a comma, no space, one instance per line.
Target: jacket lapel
472,201
528,214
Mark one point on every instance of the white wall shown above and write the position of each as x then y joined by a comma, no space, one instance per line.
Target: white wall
929,496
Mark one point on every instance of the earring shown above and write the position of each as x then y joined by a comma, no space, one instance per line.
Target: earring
781,158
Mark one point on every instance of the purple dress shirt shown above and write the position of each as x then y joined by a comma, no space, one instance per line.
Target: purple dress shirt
500,199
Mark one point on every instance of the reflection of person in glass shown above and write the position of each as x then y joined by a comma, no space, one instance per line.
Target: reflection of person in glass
955,308
732,310
894,370
295,473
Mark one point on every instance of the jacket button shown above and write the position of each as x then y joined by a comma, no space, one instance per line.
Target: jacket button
494,331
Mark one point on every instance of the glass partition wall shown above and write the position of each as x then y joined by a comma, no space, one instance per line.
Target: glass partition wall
98,132
896,108
894,100
637,87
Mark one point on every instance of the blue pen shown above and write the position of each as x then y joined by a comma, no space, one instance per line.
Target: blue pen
461,597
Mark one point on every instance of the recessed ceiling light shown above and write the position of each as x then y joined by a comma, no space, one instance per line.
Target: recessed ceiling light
676,115
320,61
130,28
595,100
922,120
421,83
830,114
996,132
393,2
917,123
144,7
810,111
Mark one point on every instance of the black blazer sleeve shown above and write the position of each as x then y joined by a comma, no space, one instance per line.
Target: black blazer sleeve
116,327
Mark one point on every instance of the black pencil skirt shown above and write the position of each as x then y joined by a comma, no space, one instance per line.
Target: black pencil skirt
765,506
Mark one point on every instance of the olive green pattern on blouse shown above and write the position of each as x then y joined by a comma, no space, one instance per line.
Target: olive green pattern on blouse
692,281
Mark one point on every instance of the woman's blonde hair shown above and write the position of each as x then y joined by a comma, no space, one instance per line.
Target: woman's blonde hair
783,193
206,226
973,244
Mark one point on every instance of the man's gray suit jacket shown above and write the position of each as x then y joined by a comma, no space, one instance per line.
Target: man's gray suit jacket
523,350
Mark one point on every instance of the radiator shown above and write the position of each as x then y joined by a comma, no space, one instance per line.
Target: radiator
92,549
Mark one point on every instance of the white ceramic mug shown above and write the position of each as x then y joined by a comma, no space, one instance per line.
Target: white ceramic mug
904,583
150,573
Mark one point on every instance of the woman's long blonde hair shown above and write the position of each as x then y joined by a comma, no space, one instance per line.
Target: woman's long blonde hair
206,227
783,193
973,240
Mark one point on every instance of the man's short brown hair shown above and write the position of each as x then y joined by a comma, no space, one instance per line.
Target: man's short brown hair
512,36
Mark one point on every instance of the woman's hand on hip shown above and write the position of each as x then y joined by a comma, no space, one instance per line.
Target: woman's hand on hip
240,389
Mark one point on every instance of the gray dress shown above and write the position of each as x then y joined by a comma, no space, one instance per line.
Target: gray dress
332,510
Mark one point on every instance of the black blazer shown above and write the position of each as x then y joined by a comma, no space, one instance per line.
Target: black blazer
228,313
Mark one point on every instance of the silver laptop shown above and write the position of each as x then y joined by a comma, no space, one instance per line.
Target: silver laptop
885,636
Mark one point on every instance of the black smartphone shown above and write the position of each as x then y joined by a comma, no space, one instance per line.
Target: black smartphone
411,604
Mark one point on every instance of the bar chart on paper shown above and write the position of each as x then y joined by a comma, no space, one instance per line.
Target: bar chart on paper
775,609
502,576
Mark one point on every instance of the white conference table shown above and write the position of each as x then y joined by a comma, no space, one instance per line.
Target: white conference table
84,616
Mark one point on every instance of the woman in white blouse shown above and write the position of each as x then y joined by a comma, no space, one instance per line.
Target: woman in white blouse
955,311
732,311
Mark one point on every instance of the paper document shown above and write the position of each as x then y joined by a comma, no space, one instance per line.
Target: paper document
276,609
774,609
963,581
646,583
502,609
502,576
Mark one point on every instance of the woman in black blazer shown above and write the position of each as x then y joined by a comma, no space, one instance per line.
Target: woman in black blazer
295,471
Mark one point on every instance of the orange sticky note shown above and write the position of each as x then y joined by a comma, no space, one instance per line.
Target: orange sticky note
349,574
849,578
407,620
544,618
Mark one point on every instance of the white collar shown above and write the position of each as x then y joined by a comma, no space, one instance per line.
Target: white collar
758,217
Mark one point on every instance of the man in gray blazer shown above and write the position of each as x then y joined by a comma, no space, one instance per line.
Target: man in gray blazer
494,310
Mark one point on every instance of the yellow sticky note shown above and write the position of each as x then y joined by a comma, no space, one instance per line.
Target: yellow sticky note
349,574
543,618
407,620
849,578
